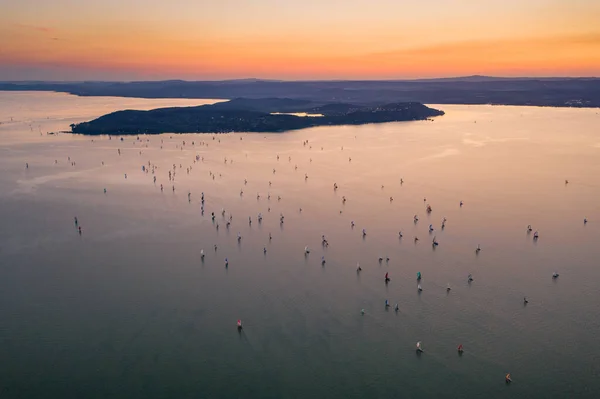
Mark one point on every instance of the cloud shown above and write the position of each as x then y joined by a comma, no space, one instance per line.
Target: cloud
495,45
493,55
154,52
44,29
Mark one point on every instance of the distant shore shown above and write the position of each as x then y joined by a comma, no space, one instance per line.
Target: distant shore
548,92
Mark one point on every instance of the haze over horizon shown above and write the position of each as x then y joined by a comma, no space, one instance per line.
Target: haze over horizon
310,40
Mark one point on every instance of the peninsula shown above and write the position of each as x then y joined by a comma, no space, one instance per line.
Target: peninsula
251,115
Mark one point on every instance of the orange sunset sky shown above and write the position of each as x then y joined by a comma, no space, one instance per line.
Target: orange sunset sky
310,39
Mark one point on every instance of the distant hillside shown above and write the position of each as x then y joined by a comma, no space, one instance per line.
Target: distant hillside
556,92
247,115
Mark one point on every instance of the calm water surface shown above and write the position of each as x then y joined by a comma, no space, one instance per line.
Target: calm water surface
129,310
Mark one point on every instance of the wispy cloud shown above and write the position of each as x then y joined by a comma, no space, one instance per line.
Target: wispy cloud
494,45
156,51
566,54
44,29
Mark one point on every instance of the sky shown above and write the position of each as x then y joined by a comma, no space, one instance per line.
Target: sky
299,40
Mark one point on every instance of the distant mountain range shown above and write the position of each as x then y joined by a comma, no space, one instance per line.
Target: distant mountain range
556,92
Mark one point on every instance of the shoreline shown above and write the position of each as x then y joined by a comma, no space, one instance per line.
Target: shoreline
559,92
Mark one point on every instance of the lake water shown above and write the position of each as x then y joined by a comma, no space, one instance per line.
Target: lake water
128,309
297,114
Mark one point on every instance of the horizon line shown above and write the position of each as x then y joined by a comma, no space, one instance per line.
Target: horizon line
309,80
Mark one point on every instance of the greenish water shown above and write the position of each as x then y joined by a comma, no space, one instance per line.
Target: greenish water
128,309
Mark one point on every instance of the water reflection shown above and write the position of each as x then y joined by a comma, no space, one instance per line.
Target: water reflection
135,279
